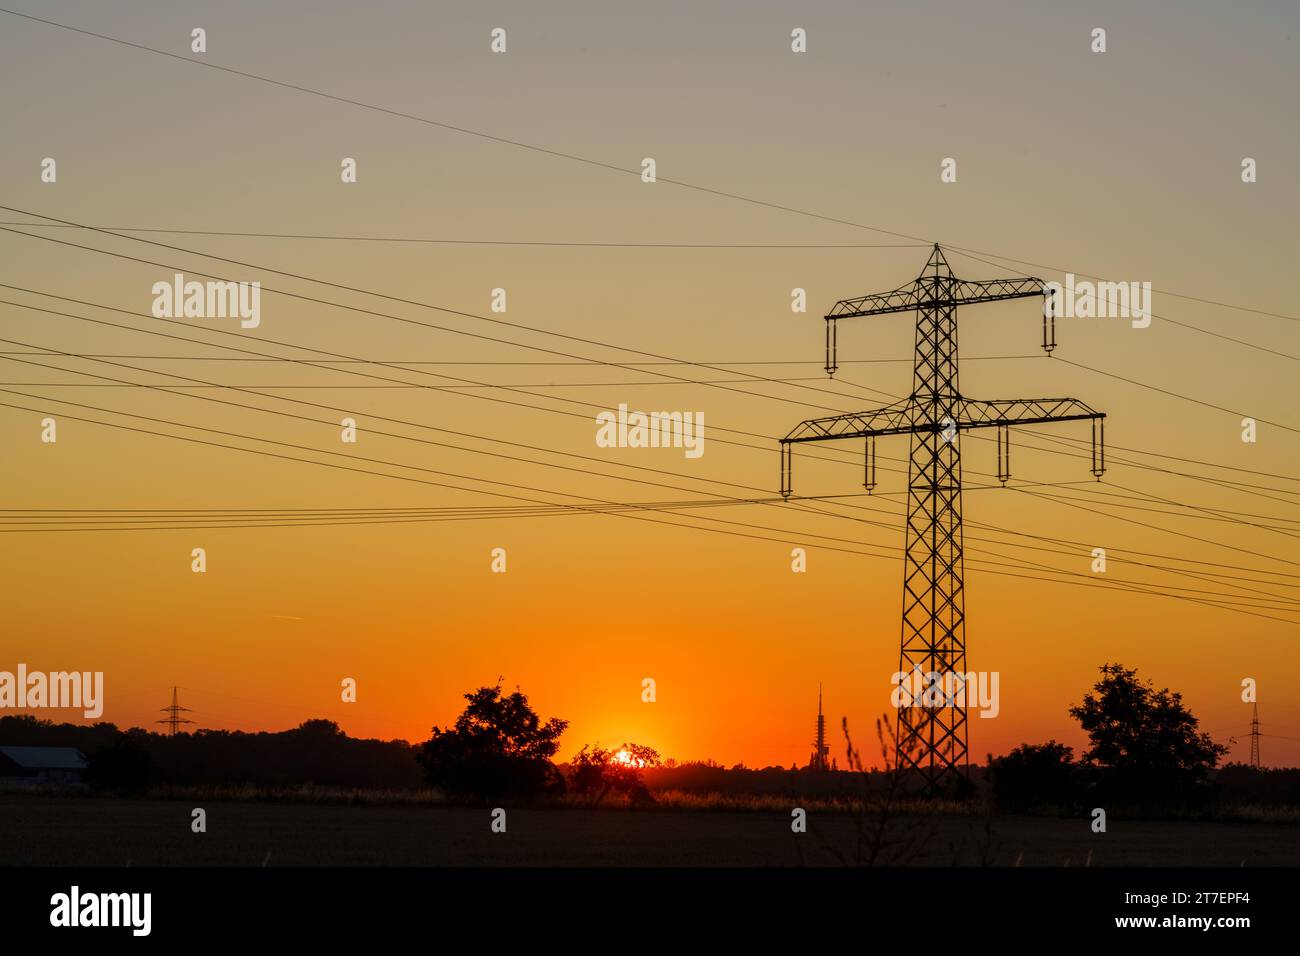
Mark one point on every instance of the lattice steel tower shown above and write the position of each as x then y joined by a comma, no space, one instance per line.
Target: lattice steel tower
1254,737
932,740
174,719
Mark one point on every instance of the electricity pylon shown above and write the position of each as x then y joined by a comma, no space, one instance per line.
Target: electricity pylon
174,719
931,737
1254,738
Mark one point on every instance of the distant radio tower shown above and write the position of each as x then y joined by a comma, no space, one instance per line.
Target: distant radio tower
173,712
1254,738
820,751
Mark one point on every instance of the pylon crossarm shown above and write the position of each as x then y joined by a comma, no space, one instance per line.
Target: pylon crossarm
1022,411
1003,414
895,419
936,288
903,299
995,290
920,294
909,416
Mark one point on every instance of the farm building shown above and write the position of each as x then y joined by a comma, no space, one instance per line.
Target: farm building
42,764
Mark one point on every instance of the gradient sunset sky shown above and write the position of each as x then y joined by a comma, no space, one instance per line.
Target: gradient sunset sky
1124,164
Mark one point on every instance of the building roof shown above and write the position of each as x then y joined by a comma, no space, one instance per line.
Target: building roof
45,758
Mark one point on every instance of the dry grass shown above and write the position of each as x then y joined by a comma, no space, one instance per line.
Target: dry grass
247,793
1257,813
683,800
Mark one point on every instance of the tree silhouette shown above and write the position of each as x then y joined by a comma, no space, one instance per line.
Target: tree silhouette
1144,739
498,747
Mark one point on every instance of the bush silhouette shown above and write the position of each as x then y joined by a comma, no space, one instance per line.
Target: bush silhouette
1033,776
498,747
597,771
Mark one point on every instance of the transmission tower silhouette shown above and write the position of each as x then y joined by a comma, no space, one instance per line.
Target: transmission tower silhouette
173,720
1254,737
931,738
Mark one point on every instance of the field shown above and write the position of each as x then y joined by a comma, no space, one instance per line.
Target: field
118,832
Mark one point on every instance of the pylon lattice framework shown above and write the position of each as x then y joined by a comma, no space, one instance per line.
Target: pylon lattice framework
931,741
173,720
1254,737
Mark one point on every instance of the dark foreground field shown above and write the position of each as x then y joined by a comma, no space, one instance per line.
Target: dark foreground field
76,831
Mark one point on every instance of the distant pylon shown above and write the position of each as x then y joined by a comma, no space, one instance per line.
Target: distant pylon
173,712
1254,737
821,752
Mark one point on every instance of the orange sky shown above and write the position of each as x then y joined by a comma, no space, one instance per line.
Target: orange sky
1124,165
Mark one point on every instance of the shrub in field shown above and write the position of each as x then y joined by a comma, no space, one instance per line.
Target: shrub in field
1034,776
597,771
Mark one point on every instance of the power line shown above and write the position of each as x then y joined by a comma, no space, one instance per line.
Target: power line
968,253
1184,325
255,267
1224,516
311,404
255,451
416,322
1111,552
1214,512
314,363
1173,394
426,305
1156,454
458,129
1181,534
246,389
163,333
583,364
1221,602
1240,487
559,154
489,319
369,311
397,421
331,387
476,242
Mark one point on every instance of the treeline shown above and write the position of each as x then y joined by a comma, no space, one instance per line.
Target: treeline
316,752
1145,751
1241,783
1031,778
1035,778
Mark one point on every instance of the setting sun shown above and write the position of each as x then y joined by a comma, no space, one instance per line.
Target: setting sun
631,756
